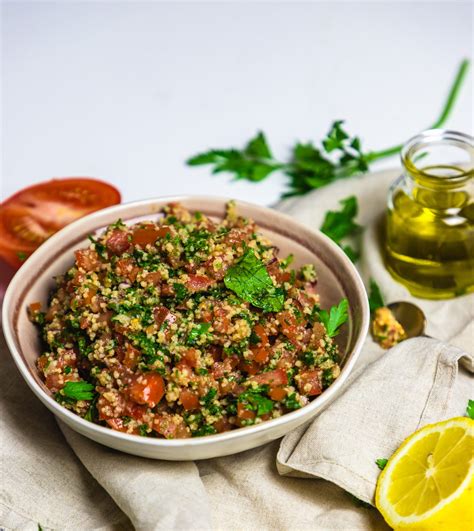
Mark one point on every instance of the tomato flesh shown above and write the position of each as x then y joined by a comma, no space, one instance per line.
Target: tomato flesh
34,214
147,388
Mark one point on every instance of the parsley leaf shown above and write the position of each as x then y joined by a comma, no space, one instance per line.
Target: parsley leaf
340,224
254,401
254,163
381,463
291,402
470,409
336,317
78,390
375,297
249,279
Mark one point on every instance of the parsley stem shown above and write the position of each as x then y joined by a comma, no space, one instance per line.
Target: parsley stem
448,106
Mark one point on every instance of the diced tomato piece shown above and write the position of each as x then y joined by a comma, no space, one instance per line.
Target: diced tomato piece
222,425
162,315
188,399
218,316
290,326
250,367
318,333
118,242
87,259
171,426
191,357
261,351
198,283
309,383
34,307
136,411
272,378
154,277
277,393
244,414
239,235
127,269
146,388
148,235
128,355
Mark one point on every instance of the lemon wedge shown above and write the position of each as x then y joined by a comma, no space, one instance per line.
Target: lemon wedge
428,483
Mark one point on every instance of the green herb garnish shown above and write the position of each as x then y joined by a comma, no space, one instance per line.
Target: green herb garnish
78,390
255,401
291,402
249,279
197,332
470,409
253,163
340,224
336,317
22,256
381,463
338,156
375,297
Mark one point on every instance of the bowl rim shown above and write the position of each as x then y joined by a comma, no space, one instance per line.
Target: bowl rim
101,431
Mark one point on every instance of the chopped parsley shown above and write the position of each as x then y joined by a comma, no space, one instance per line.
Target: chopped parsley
199,330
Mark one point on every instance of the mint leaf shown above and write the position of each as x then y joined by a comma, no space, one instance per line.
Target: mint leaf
381,463
375,297
249,279
335,318
470,409
78,391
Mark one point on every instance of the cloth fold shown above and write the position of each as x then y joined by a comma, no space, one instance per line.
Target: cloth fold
412,385
69,482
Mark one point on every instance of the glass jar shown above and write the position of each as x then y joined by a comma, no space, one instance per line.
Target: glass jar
430,219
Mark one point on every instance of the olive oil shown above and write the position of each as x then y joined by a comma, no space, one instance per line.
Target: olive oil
430,227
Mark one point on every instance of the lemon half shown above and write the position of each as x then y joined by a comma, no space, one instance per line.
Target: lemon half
429,482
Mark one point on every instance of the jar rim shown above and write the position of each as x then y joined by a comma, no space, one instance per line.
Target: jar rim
432,137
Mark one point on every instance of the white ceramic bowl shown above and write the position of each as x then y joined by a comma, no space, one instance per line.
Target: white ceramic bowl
337,278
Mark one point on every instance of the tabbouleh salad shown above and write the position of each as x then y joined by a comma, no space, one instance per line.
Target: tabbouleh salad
185,327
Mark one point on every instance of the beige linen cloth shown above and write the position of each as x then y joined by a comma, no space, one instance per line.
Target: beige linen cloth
61,480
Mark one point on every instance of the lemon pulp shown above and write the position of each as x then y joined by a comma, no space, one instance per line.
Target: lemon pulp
430,475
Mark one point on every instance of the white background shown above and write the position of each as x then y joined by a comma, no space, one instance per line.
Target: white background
127,91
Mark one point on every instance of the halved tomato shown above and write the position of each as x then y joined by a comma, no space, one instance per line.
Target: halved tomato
32,215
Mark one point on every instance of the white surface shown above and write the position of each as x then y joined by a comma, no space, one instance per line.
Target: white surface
128,91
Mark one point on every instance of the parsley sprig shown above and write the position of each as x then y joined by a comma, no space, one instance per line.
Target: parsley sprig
335,318
338,156
375,296
340,224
